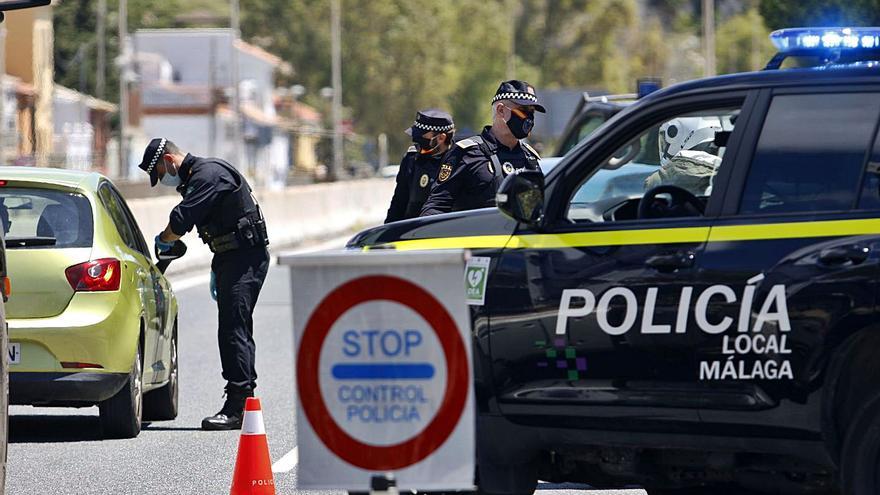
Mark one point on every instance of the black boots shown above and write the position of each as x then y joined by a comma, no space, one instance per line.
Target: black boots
229,417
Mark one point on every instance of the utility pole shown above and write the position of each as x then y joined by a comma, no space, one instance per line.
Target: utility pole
236,96
709,37
123,88
511,49
100,36
2,94
336,63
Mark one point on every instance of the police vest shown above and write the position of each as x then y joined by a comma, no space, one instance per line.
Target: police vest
237,222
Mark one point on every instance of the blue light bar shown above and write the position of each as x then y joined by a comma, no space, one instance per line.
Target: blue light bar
819,39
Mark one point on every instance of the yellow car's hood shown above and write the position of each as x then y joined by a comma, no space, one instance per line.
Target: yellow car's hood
39,285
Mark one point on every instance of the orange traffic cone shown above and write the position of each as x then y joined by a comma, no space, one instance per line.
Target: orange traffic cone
253,469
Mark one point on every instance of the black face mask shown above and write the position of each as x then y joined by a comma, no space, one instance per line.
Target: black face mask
427,146
520,127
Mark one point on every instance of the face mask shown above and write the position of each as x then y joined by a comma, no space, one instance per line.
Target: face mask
427,146
168,179
520,127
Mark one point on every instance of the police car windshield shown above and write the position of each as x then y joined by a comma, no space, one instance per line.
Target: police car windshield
684,151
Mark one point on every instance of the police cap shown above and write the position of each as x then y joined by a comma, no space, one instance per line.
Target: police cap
151,158
519,92
431,120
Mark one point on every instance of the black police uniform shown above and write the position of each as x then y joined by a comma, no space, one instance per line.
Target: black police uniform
418,171
473,169
415,178
217,200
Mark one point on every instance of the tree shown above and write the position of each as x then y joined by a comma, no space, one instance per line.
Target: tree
74,26
780,14
743,43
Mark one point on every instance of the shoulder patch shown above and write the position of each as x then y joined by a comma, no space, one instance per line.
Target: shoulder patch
412,149
466,143
445,172
532,150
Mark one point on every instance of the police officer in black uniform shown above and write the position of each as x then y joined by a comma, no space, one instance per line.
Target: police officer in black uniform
474,167
432,134
217,200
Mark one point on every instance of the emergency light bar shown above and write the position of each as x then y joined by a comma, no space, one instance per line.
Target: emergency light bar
828,43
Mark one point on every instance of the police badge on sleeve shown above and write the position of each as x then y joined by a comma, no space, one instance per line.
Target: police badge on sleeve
445,172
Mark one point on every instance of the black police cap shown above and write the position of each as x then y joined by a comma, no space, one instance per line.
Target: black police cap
431,120
152,155
519,92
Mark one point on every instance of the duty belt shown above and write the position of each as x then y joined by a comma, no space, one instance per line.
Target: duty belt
250,232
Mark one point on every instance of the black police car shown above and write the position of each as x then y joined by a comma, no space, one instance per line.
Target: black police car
719,327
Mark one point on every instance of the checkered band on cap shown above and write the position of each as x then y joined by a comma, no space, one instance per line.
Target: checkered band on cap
158,154
515,96
435,128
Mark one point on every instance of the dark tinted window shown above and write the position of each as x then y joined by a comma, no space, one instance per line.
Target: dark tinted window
45,218
811,153
870,199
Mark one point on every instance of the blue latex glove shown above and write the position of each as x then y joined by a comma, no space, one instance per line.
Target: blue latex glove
213,285
163,246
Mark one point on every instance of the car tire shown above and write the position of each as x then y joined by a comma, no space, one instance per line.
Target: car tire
860,457
161,404
121,414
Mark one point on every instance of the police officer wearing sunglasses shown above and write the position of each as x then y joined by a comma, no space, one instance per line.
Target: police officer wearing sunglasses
474,167
432,134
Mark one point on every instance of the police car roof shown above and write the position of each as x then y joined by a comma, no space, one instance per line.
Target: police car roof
859,72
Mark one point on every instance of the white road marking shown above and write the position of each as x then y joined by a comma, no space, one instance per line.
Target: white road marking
287,462
203,279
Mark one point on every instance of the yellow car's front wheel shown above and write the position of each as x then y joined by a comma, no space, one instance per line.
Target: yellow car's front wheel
121,414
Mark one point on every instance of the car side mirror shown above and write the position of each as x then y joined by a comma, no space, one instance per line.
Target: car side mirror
521,196
166,257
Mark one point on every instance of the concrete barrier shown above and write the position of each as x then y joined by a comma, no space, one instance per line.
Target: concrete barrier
293,215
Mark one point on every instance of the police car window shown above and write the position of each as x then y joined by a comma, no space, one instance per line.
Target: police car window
870,198
811,153
684,151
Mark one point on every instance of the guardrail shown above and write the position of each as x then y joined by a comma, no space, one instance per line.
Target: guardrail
293,215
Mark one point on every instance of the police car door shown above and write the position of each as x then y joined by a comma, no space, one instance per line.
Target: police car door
793,260
596,306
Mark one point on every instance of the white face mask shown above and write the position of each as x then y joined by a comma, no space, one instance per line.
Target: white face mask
168,179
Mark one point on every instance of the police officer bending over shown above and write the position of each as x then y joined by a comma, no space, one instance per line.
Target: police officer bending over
432,134
217,200
474,168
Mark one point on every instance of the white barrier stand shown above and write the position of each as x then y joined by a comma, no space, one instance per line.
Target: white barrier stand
384,380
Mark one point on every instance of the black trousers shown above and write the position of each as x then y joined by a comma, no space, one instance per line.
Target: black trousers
240,276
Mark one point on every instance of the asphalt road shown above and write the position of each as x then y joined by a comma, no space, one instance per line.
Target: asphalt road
60,451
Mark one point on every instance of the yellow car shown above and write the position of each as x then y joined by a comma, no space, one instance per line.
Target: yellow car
92,320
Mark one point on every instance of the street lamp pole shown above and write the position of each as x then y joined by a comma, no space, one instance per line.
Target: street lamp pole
123,88
236,96
336,63
709,37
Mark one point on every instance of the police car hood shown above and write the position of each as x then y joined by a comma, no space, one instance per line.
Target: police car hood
463,225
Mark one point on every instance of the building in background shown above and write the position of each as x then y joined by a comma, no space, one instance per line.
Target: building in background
27,126
186,93
81,130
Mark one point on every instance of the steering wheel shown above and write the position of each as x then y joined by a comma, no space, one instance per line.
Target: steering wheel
682,204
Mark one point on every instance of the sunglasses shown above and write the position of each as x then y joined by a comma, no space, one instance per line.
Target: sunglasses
523,114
